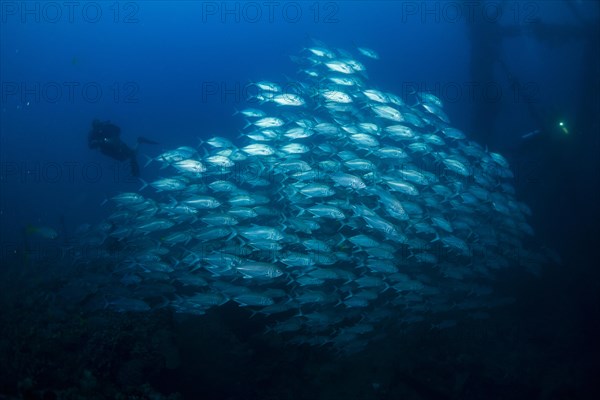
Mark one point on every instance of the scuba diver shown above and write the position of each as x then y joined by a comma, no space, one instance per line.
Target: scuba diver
106,136
550,125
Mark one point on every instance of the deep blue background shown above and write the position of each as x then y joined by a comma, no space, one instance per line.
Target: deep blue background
175,72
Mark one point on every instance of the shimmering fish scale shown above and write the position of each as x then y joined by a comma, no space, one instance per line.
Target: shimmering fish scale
343,208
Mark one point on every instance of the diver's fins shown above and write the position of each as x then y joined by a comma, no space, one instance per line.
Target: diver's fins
145,141
531,134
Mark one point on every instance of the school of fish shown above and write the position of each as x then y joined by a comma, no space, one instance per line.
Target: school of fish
344,209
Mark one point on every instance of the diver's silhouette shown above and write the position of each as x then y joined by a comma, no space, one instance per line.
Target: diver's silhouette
106,137
549,122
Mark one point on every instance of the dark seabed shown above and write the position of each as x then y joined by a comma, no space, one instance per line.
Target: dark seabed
299,200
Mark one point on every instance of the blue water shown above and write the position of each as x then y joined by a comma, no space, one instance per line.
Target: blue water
175,72
177,75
